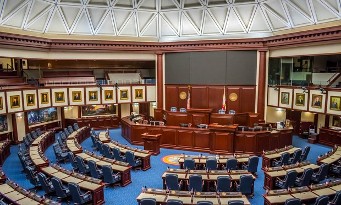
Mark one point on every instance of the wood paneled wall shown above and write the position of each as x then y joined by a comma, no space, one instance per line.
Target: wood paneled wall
205,96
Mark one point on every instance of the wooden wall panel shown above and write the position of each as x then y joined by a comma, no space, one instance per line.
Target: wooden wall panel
215,96
185,138
199,97
171,97
181,103
233,105
248,98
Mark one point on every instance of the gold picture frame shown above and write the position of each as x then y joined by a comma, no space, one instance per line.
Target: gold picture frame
108,95
316,101
59,97
93,95
44,98
138,93
124,94
285,98
15,101
335,103
300,99
1,103
76,96
30,100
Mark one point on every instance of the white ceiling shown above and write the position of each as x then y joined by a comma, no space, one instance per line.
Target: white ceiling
166,20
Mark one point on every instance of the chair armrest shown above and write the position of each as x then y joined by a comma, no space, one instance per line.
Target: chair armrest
279,179
86,193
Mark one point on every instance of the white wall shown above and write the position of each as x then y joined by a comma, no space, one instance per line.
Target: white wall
125,110
275,114
71,112
307,50
20,120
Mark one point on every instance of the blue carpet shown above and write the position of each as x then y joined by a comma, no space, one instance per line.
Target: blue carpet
150,178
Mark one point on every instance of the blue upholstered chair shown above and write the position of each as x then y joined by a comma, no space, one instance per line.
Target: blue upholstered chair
73,161
288,181
33,177
66,131
62,192
75,126
322,200
107,151
117,155
252,165
99,146
336,169
94,141
211,164
70,129
305,153
130,157
62,135
109,177
34,134
174,202
293,201
284,160
223,184
77,196
60,155
231,164
305,179
189,164
148,201
82,167
204,203
245,185
172,182
94,171
296,157
235,202
38,131
45,183
195,183
321,174
337,199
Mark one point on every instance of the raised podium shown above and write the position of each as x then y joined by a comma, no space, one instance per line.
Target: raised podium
152,143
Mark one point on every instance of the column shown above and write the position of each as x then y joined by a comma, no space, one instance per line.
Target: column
261,83
159,87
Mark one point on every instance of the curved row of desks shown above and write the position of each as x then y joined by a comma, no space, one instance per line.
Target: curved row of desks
219,139
162,196
269,156
332,157
306,194
144,155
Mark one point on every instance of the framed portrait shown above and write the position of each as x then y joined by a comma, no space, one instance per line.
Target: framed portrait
76,96
300,99
123,94
44,98
15,101
30,99
1,104
108,95
335,103
306,64
138,93
93,95
285,98
316,101
59,97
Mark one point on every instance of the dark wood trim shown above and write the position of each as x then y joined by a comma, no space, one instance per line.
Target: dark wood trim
159,81
261,84
15,129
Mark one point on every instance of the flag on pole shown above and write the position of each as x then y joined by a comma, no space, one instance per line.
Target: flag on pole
189,98
224,101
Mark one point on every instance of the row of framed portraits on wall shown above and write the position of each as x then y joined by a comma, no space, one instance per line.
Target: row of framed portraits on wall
312,100
29,99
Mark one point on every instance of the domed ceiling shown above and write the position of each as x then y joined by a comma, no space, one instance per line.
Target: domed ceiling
167,20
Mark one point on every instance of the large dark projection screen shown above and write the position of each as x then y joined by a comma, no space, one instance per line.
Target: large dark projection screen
211,68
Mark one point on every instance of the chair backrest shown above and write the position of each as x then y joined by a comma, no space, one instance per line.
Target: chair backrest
94,140
60,141
297,156
195,183
93,169
108,174
60,190
172,181
130,157
62,135
75,126
306,177
289,180
223,184
75,193
253,164
117,154
174,202
231,164
337,198
70,129
189,164
285,156
80,164
107,151
99,146
39,132
66,131
293,201
305,153
204,203
322,200
44,183
211,164
148,201
323,172
246,184
236,202
32,177
29,137
34,134
72,160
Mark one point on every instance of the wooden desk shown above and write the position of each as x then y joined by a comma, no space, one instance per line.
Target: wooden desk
270,176
330,137
4,150
151,143
332,157
270,156
162,196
